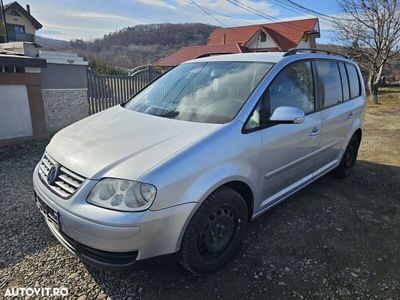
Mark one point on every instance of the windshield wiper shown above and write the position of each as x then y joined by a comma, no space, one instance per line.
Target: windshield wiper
172,114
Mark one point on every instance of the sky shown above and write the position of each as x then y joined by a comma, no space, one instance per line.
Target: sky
90,19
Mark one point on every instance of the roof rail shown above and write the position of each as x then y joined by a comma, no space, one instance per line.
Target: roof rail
312,50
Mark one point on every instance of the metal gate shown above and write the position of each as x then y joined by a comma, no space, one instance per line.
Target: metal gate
105,91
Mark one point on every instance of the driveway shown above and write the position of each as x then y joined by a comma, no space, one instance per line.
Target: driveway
336,239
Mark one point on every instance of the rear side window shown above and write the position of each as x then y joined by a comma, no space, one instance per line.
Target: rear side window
329,82
345,82
354,80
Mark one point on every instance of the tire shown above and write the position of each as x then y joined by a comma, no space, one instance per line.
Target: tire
349,159
214,233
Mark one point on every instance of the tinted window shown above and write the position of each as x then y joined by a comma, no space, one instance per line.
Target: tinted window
208,92
329,82
293,86
345,82
354,81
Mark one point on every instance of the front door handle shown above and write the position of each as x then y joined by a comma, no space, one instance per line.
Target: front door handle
314,131
350,115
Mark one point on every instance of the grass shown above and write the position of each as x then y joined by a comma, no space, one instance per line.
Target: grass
387,97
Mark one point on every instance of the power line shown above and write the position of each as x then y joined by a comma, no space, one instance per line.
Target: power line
206,12
224,15
290,5
311,10
209,14
298,11
263,15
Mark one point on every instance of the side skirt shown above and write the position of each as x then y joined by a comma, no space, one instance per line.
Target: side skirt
295,187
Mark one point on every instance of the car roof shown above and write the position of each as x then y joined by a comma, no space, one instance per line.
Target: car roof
271,57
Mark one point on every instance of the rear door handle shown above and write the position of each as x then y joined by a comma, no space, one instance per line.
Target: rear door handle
350,115
314,131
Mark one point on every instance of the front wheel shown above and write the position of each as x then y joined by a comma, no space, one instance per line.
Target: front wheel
215,232
349,159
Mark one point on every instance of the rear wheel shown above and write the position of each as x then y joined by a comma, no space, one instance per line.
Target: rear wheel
349,159
215,232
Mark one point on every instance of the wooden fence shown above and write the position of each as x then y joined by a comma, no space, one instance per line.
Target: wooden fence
105,91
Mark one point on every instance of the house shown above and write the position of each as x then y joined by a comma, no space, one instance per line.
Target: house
279,36
21,25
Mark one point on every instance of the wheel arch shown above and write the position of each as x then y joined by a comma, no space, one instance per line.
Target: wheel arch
240,186
246,192
358,133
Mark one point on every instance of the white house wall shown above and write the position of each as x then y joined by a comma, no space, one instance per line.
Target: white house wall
304,44
255,43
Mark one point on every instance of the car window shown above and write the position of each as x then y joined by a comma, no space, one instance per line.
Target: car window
355,89
293,86
207,92
345,82
329,82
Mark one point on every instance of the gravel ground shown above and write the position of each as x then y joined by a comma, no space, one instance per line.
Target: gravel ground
336,239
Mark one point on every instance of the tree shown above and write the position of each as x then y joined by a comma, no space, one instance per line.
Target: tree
370,30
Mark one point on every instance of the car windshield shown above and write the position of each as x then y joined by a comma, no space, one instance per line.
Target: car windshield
207,92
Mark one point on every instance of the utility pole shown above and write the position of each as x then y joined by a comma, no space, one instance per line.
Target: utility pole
3,15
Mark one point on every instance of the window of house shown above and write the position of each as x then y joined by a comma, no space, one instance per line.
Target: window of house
263,37
354,80
19,29
329,82
345,82
293,86
14,13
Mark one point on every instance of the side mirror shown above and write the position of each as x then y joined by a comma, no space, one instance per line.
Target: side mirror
288,115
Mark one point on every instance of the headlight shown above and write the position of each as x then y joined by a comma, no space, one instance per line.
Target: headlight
124,195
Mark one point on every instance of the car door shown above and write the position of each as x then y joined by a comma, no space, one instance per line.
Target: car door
290,151
334,112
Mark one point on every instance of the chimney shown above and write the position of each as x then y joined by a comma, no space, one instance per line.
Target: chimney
28,8
224,39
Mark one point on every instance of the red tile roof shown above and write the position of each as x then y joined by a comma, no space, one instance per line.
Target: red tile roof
286,35
191,52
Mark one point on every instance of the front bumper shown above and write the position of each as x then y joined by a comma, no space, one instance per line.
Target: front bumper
86,228
98,258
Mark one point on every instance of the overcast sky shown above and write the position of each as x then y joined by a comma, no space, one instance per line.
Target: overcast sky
88,19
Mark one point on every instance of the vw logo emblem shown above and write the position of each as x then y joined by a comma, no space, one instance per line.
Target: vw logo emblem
53,174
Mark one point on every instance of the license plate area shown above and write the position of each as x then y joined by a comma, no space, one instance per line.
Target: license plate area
50,214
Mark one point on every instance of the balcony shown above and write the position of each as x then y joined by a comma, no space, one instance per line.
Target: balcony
20,37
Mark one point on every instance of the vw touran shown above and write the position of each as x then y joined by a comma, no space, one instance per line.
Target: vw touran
191,159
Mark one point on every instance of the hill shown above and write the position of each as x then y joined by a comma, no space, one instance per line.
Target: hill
51,44
142,44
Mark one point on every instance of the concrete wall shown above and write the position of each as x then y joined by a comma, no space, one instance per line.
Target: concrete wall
63,107
63,76
64,89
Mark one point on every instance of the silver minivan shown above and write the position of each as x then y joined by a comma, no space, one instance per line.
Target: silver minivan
186,163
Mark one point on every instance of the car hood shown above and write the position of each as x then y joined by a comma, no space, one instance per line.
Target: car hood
122,143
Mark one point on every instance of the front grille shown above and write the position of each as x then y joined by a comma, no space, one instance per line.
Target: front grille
66,182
